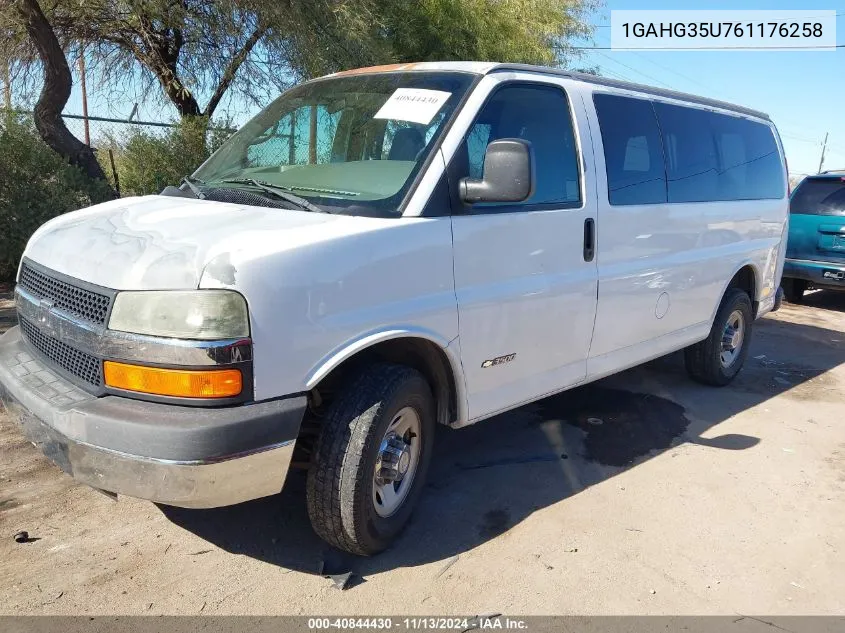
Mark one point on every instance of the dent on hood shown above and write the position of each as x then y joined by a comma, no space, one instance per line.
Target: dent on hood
221,269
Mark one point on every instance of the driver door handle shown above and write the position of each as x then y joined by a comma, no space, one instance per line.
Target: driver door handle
589,239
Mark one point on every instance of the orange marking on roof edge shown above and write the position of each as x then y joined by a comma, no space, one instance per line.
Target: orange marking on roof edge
384,68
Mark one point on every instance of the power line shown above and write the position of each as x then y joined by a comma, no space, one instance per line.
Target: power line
704,48
799,138
615,75
690,79
805,17
647,76
675,72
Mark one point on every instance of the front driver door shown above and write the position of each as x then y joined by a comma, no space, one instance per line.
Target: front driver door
525,284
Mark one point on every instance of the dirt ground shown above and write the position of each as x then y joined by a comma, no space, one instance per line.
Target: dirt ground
641,494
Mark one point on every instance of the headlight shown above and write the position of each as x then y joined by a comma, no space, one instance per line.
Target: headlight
191,314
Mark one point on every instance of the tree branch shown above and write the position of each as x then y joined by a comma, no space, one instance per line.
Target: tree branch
232,69
160,54
55,92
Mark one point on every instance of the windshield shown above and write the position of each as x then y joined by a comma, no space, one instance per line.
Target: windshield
349,144
819,196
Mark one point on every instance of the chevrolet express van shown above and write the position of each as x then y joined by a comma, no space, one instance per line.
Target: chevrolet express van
815,250
380,251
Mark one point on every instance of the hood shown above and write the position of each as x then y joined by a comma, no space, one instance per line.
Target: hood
161,242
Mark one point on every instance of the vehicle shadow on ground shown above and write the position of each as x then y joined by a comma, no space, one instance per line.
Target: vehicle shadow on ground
826,299
487,478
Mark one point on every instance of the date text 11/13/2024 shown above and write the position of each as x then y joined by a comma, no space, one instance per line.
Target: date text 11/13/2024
482,622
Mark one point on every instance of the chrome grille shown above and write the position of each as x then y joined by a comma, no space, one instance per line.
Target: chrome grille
85,304
83,366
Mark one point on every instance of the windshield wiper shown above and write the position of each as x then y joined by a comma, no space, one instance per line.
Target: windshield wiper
188,180
279,192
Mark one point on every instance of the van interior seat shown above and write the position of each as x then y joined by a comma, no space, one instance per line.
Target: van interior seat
407,143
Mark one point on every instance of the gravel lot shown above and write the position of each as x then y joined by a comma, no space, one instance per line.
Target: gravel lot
643,493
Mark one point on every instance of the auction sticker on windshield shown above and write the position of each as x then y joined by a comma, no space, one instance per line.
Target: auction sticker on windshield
417,105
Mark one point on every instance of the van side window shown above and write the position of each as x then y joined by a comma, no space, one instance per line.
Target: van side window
477,141
713,157
749,162
541,116
692,166
632,151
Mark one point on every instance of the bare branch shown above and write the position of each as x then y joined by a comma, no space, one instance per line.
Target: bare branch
232,69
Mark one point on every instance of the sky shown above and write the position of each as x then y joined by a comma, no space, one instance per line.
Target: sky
802,91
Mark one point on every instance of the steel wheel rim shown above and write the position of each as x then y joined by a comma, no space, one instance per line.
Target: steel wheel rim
733,336
406,430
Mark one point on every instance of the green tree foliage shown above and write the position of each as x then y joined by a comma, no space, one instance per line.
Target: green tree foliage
36,184
370,32
201,52
527,31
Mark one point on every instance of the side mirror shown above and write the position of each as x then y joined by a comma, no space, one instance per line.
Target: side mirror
508,174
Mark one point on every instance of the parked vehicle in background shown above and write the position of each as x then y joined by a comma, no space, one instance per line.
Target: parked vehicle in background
381,251
815,253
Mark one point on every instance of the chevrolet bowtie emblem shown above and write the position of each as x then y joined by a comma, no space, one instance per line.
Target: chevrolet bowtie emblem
45,316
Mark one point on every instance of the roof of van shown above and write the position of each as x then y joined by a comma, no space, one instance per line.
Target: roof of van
485,68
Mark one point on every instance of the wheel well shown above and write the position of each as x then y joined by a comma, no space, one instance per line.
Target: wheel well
421,354
746,279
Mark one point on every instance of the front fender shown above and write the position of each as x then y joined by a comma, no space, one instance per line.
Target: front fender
354,346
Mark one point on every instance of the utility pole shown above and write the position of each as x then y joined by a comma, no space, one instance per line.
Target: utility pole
312,136
824,147
84,95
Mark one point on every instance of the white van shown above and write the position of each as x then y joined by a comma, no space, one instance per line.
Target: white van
380,251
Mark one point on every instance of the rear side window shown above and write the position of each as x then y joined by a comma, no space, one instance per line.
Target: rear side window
716,157
541,116
657,152
819,196
632,151
748,157
692,168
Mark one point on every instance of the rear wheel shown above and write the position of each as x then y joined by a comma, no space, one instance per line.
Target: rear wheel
717,359
371,459
793,290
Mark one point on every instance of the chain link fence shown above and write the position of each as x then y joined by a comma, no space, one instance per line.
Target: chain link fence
142,157
109,138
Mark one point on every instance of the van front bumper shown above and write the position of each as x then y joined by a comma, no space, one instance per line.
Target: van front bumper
820,274
175,455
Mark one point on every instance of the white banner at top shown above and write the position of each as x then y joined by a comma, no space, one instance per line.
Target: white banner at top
710,29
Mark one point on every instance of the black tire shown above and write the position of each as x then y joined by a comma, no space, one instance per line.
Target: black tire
703,360
793,290
339,490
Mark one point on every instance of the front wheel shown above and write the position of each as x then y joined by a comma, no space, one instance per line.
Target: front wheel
371,459
717,359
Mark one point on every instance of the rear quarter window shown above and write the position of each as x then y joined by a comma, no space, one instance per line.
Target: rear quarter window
819,196
716,157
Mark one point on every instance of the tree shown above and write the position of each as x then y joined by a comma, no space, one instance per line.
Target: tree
527,31
55,92
201,51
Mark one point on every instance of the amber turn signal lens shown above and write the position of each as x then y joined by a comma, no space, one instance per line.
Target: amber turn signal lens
181,383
